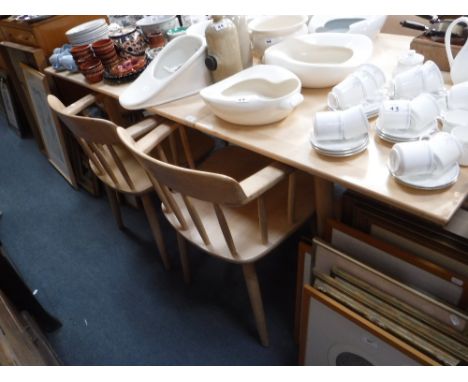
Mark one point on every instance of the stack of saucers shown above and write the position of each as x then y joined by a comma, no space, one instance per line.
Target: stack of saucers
89,32
404,120
340,133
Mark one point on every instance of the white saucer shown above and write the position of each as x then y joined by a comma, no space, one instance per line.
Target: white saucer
404,136
430,182
340,148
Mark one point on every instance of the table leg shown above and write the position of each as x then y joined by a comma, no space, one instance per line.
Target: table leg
323,203
113,110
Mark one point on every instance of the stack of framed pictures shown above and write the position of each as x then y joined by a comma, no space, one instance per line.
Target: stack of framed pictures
446,246
369,304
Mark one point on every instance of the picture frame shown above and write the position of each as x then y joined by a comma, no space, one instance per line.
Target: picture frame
330,330
49,126
16,54
8,105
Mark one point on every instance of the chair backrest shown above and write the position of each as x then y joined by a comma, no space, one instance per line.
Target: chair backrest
99,140
211,187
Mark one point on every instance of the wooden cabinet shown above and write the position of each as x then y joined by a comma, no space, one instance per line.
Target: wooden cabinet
21,341
46,34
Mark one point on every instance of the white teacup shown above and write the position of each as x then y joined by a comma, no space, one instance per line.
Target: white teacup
424,110
457,96
411,158
372,78
445,148
461,134
395,115
354,122
327,126
340,125
349,92
426,78
362,85
454,118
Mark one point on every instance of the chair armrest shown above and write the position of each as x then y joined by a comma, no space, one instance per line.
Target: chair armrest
155,137
264,179
141,128
80,105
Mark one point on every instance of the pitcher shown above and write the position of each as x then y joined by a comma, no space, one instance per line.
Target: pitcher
459,64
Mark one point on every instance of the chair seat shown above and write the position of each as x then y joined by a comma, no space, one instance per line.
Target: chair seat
243,221
135,171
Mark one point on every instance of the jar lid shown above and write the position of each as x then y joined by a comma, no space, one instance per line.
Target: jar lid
411,58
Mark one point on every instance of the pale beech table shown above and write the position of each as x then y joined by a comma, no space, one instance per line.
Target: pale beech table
287,141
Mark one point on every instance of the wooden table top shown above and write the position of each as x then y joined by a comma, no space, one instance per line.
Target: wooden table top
287,141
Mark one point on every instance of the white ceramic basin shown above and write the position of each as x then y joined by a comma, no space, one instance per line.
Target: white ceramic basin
321,59
255,96
177,71
267,31
368,25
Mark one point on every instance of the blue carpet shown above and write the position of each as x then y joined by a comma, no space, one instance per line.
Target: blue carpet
117,304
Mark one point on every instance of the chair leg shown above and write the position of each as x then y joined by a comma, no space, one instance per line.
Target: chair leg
114,203
184,257
255,296
150,211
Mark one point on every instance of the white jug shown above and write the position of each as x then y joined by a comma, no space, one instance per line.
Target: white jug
459,64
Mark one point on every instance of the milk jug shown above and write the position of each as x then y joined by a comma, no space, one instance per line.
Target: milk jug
459,64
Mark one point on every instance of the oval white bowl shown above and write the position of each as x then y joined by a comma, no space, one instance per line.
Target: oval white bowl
369,25
321,60
258,95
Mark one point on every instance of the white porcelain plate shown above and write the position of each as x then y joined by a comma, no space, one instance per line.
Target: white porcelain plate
430,182
405,136
340,148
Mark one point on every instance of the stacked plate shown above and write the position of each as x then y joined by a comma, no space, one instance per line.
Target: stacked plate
404,135
89,32
343,148
436,181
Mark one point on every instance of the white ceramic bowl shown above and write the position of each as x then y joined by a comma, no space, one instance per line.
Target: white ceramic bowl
269,30
258,95
157,23
321,59
368,25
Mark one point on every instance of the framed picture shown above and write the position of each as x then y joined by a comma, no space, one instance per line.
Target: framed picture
334,335
15,55
8,105
47,122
